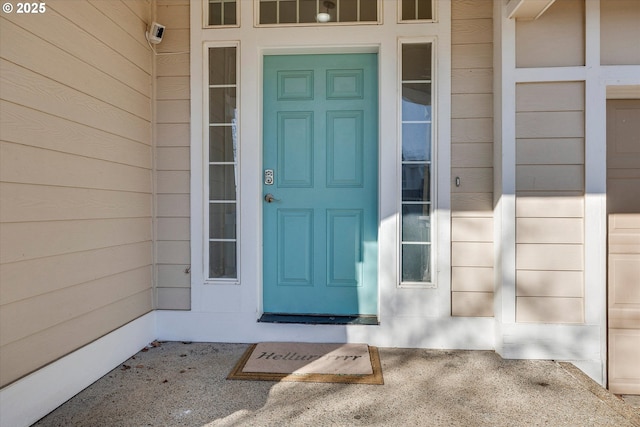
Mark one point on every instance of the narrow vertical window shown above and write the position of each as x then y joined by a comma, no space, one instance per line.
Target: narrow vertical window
417,167
223,164
222,12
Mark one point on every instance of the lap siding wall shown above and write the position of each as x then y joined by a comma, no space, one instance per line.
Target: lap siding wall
76,180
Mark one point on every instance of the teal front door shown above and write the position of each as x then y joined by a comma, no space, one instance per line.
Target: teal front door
320,184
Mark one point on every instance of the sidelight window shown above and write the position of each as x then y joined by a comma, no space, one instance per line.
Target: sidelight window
416,162
223,164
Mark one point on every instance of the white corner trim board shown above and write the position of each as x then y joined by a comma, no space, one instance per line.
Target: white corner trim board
25,401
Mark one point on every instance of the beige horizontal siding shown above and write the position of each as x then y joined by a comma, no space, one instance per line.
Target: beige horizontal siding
472,155
550,310
550,230
471,9
546,283
172,134
619,32
472,304
543,177
172,111
472,254
172,159
27,240
551,96
176,205
472,158
550,202
471,229
75,178
24,87
552,257
472,56
472,279
32,165
176,182
549,205
17,320
34,277
472,180
54,63
472,30
555,39
33,128
550,124
471,105
172,65
472,204
550,151
26,202
173,296
472,80
90,17
171,87
45,346
82,44
472,130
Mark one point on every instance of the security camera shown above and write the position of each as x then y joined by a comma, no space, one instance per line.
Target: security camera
155,33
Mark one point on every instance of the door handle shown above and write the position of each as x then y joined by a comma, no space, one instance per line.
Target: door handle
270,199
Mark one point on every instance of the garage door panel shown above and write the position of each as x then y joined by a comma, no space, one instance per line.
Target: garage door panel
623,207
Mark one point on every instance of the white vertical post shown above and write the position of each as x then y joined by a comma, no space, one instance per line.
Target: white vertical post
196,147
443,92
504,169
595,214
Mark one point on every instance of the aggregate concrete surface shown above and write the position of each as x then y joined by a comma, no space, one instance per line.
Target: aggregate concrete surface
184,384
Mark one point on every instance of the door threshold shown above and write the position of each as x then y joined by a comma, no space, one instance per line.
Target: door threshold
318,319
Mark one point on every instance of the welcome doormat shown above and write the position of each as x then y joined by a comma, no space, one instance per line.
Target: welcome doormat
309,362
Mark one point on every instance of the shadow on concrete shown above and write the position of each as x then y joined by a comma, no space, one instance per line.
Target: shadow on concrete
179,384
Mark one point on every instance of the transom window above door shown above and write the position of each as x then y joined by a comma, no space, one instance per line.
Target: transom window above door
221,13
277,12
415,10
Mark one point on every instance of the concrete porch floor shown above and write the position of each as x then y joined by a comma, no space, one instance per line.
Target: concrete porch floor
184,384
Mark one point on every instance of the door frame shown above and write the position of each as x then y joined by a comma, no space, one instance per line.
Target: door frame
318,50
241,303
613,89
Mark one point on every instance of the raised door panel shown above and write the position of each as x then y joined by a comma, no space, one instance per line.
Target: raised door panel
295,247
295,149
345,149
344,247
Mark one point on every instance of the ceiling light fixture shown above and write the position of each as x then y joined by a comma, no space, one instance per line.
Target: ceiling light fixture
324,16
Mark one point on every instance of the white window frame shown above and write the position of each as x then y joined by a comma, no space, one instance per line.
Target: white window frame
434,14
256,14
205,16
434,169
205,165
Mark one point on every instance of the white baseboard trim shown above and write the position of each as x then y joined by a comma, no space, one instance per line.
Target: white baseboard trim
578,344
409,331
25,401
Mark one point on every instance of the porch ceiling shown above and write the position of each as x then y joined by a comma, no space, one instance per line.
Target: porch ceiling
527,9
